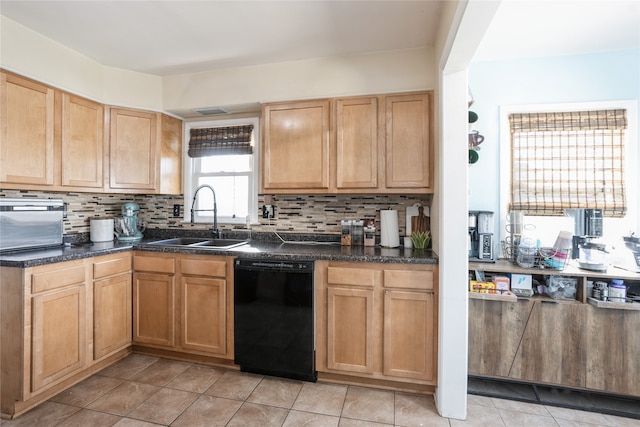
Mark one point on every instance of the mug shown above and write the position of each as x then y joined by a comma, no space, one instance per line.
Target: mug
475,138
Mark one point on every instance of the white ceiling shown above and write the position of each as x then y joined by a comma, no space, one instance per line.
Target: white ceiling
175,37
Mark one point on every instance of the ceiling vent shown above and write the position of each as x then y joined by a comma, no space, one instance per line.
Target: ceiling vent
212,111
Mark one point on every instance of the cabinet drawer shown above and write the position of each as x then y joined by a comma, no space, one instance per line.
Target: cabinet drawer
109,267
154,264
350,276
408,279
199,267
58,278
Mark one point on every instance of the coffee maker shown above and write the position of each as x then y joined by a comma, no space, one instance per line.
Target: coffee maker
585,248
481,229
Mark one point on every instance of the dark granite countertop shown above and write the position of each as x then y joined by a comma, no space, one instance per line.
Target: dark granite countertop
304,248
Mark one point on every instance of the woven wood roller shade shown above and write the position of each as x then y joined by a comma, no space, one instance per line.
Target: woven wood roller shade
221,141
567,160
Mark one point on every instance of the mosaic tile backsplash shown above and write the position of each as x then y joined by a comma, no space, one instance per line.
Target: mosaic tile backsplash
294,213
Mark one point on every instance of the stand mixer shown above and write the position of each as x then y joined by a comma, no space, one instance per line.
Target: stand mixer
128,227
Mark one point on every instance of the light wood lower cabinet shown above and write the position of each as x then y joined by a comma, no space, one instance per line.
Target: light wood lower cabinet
59,334
377,321
111,304
55,318
184,303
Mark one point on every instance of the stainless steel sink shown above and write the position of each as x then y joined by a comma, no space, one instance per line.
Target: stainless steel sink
197,242
220,243
180,241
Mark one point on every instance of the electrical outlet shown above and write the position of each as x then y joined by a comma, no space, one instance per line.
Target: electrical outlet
176,211
268,211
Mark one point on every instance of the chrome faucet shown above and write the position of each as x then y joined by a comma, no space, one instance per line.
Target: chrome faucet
214,230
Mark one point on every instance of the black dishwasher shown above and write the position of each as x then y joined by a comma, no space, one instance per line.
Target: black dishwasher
274,318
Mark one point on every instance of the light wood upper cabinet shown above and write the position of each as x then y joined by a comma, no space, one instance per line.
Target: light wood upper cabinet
356,140
409,149
55,141
27,133
145,152
134,146
295,149
377,144
82,143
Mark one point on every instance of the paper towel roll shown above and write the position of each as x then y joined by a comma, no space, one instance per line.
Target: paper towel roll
389,233
101,230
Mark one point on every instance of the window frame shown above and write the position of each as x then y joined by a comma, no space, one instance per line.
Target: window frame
614,228
189,172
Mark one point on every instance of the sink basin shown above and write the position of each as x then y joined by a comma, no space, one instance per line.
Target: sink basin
220,243
180,241
196,242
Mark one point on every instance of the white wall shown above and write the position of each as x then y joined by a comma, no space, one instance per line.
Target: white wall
382,72
33,55
597,77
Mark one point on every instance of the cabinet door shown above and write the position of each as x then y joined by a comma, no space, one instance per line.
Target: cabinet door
134,148
409,344
553,345
350,329
82,142
153,309
111,315
356,126
27,132
495,332
613,349
171,152
203,314
409,151
295,151
58,335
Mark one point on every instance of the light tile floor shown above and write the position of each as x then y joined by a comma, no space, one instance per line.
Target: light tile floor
142,391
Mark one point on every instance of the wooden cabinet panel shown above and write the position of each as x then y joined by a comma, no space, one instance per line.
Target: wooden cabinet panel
409,338
203,314
59,335
350,329
356,133
154,309
409,156
155,264
82,143
377,321
495,332
553,345
613,349
134,148
27,132
295,152
47,278
111,265
111,315
171,155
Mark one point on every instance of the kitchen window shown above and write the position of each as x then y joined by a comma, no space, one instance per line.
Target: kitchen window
558,157
224,155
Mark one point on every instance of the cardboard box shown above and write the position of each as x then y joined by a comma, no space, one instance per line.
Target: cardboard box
521,281
502,283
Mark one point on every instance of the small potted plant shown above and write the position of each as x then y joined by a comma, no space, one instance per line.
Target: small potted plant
420,239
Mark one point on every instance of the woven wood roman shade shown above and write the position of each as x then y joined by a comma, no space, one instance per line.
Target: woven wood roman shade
563,160
221,141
